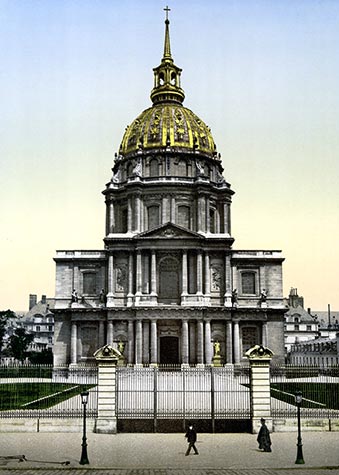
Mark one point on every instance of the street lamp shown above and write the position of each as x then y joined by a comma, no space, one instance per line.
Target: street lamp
84,458
300,458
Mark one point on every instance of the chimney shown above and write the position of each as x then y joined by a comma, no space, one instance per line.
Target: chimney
32,301
309,311
43,298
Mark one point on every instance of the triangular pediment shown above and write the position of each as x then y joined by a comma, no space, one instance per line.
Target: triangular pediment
168,231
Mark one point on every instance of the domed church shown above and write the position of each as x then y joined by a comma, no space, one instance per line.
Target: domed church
168,288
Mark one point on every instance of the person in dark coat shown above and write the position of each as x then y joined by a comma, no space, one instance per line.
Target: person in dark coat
191,439
264,439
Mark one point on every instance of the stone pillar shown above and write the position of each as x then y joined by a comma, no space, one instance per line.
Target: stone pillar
200,343
264,334
164,210
201,214
226,223
154,343
228,281
110,335
138,278
173,209
207,278
208,220
153,274
229,343
110,294
184,343
236,342
217,221
137,213
107,359
208,343
130,357
130,280
184,274
145,342
260,359
101,333
129,215
199,273
192,339
138,343
142,215
74,338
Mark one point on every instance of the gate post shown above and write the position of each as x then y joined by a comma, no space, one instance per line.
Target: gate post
260,358
107,359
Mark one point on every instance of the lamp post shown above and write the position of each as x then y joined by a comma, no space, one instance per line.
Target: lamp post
84,457
300,458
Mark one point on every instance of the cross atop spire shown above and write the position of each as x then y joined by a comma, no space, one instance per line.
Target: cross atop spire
167,10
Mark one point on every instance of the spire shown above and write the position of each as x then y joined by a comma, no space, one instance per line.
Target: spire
167,45
167,75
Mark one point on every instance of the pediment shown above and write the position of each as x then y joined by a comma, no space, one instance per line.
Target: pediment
168,231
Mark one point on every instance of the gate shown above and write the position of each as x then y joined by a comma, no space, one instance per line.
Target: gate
161,398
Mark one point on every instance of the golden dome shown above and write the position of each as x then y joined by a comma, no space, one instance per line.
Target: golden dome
167,125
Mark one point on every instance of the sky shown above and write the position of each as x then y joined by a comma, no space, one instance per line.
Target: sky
262,74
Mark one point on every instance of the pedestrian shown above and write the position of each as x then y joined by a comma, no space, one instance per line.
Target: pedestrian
191,439
264,439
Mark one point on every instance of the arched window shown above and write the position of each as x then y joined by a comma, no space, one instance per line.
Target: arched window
154,167
248,283
153,216
182,168
212,220
129,169
124,220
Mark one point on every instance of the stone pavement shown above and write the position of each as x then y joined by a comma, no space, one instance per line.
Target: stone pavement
164,454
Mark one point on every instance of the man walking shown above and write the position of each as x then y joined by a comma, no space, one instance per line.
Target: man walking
191,439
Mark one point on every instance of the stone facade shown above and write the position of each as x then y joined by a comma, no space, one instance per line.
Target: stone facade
168,283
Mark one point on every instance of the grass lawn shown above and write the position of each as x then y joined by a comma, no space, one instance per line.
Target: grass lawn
315,395
36,395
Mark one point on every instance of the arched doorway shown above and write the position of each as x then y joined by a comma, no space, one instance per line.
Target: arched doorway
169,281
169,350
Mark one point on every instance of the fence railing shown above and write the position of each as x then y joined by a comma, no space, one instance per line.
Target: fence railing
41,391
319,387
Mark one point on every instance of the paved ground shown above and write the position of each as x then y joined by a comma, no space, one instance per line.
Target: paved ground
162,454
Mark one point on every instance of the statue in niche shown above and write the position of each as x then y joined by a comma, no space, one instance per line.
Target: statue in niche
74,296
102,296
263,296
116,178
200,168
121,276
216,348
216,278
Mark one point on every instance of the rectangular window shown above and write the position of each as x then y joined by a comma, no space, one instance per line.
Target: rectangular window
89,283
309,328
248,283
296,327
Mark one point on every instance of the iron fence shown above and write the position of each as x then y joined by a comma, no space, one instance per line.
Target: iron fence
186,393
319,387
41,391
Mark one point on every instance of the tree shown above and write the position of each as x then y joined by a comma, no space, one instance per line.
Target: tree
41,357
5,315
18,344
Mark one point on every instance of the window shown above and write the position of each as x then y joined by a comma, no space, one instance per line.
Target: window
296,327
154,167
37,328
182,168
248,283
184,216
212,220
153,216
89,283
309,328
50,328
249,338
124,220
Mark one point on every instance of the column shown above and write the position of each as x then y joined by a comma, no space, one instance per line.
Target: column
173,209
226,223
228,281
145,342
101,333
229,343
184,343
111,217
154,342
153,274
145,273
137,213
142,215
264,337
208,344
207,205
207,275
217,221
138,343
74,337
130,280
139,274
201,214
110,294
109,339
164,210
192,339
130,337
184,273
236,342
129,215
200,342
199,273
